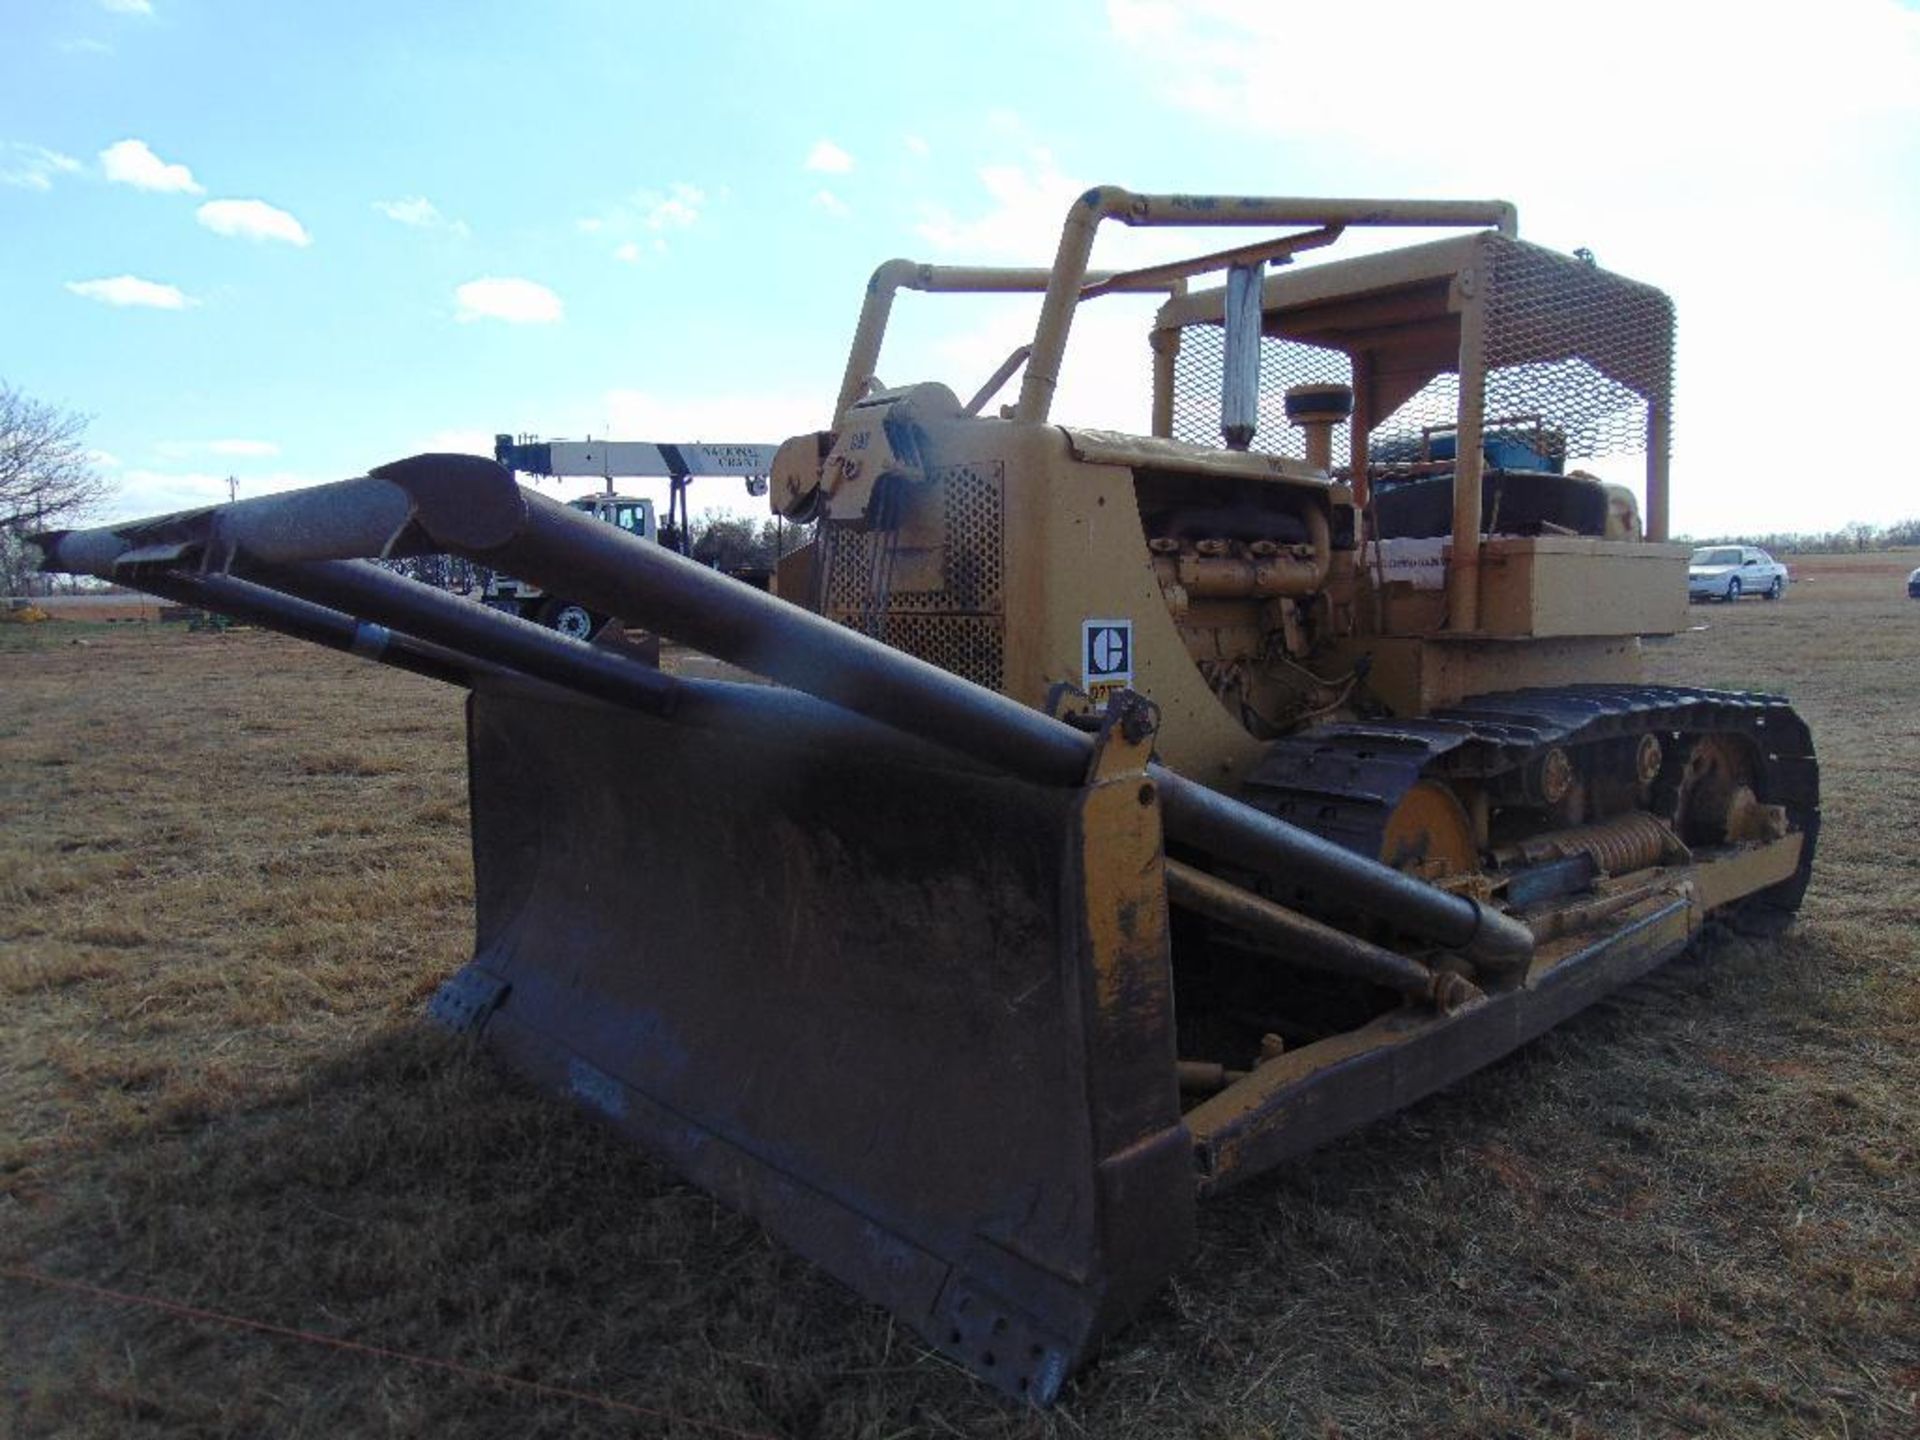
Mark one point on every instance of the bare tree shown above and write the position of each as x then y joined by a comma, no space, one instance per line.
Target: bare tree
732,542
46,477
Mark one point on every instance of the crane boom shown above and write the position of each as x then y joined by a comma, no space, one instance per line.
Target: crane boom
608,458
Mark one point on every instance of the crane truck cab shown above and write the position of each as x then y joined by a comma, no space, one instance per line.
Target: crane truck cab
500,591
678,464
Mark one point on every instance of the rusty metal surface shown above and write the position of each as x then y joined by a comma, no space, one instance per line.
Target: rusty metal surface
858,999
361,588
304,620
1297,1102
1304,941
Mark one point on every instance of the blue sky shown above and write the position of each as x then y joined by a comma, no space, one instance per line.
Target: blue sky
369,229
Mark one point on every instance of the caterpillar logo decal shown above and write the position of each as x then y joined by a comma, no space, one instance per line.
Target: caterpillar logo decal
1106,658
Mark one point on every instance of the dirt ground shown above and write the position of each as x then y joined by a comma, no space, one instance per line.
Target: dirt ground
232,869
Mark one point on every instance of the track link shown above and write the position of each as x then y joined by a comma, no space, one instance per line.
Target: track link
1342,781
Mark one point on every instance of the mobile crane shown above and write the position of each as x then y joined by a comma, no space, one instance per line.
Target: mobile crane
679,465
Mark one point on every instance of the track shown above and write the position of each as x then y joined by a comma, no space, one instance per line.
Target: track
1343,781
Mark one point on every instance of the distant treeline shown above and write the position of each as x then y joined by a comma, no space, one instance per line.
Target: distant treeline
720,538
1848,539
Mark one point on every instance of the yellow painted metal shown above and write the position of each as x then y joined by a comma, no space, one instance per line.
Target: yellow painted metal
1069,274
1746,870
1659,495
1110,447
1463,564
1553,585
897,275
1430,833
1413,674
1124,890
1237,635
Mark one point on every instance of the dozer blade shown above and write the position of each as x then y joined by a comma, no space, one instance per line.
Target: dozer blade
913,1015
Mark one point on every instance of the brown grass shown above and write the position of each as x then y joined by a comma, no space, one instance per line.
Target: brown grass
233,867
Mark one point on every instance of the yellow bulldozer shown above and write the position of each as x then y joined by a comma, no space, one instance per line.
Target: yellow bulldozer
1130,812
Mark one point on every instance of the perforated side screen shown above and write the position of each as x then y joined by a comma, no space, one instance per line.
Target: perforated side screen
959,626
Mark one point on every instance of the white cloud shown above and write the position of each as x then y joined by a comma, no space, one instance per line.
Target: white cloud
129,290
1106,378
457,442
1695,150
831,203
648,216
1027,203
252,220
32,167
678,209
918,147
1708,90
132,162
419,213
128,7
1143,22
181,449
84,46
828,158
516,301
754,417
105,459
142,492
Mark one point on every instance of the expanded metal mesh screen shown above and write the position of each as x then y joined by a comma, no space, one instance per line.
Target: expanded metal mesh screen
1583,350
1570,350
1283,364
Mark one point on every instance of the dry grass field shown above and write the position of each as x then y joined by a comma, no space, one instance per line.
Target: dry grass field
232,868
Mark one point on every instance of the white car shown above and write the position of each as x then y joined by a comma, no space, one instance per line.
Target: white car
1726,572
